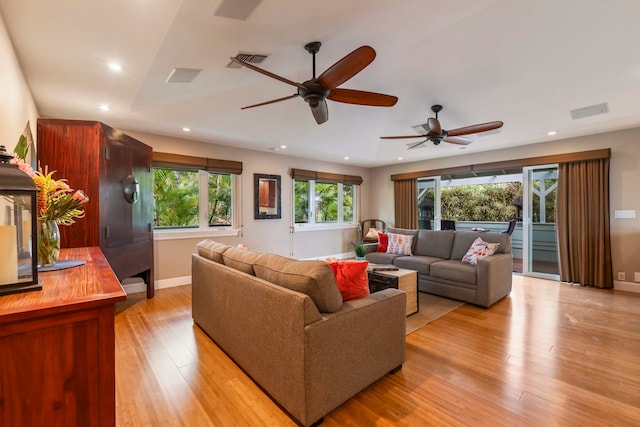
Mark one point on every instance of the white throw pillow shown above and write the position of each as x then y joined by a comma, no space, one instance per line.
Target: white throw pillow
399,244
479,249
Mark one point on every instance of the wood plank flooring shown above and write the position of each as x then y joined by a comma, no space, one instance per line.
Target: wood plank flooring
549,354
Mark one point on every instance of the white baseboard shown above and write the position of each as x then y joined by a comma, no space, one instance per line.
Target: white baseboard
626,286
174,281
132,286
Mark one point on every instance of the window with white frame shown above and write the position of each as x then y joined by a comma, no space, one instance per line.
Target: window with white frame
328,200
189,194
178,201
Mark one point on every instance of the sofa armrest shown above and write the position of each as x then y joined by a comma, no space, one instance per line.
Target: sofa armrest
352,348
495,275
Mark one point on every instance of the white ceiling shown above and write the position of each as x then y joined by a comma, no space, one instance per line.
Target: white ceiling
525,62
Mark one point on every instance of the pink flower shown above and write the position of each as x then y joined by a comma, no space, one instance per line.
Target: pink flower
80,197
24,167
63,186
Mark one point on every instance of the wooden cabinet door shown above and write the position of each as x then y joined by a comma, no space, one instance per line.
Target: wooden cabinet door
117,219
50,373
127,222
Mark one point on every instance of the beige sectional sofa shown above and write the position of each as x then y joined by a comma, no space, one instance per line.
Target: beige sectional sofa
284,323
437,257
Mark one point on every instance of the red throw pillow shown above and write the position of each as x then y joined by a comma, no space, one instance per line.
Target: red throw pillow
351,277
383,242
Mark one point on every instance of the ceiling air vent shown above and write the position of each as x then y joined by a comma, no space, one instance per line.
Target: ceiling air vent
183,75
592,110
236,9
251,58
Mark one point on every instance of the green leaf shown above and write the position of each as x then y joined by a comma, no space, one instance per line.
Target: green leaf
22,148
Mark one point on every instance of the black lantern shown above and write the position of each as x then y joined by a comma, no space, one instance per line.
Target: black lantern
18,238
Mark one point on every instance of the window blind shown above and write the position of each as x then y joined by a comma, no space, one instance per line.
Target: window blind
179,161
302,174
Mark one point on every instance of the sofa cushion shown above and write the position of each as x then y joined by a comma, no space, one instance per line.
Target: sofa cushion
313,278
463,240
383,242
400,244
479,249
433,243
381,257
351,277
212,250
406,231
240,259
455,271
419,263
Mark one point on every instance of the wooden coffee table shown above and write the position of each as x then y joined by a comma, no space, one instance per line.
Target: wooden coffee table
405,280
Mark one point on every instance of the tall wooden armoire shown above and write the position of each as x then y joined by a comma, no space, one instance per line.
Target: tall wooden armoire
114,170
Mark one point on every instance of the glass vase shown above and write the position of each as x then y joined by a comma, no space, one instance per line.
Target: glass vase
48,243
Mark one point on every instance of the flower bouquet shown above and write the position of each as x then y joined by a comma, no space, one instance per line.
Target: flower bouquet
58,204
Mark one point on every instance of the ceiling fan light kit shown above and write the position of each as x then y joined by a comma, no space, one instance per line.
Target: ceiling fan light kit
436,134
316,91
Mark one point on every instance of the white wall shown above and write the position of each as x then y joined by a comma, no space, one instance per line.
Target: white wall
172,257
17,106
624,184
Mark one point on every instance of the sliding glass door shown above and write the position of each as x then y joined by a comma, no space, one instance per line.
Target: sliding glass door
429,203
540,247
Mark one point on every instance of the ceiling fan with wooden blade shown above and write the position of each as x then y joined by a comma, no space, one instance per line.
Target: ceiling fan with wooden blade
317,90
436,134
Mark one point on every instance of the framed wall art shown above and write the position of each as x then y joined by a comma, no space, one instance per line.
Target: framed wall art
266,196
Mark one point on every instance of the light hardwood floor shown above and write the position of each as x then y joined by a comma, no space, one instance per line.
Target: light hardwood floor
549,354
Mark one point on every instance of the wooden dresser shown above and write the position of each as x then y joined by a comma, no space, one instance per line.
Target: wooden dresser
57,347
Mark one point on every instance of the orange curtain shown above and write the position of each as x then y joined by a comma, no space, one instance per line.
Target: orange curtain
406,203
582,216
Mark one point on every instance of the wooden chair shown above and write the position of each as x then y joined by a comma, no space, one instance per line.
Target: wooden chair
367,224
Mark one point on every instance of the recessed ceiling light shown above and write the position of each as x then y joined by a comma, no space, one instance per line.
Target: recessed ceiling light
283,146
551,132
346,157
114,66
104,107
399,158
185,129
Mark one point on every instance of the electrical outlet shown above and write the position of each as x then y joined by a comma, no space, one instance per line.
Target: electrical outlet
621,275
636,277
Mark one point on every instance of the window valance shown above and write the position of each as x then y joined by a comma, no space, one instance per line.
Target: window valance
168,160
604,153
302,174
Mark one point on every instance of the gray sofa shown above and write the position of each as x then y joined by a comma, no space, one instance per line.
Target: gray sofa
437,257
284,323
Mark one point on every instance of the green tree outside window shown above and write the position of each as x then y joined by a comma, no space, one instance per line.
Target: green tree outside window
175,198
177,201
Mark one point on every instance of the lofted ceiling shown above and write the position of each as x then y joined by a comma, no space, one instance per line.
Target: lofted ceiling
525,62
